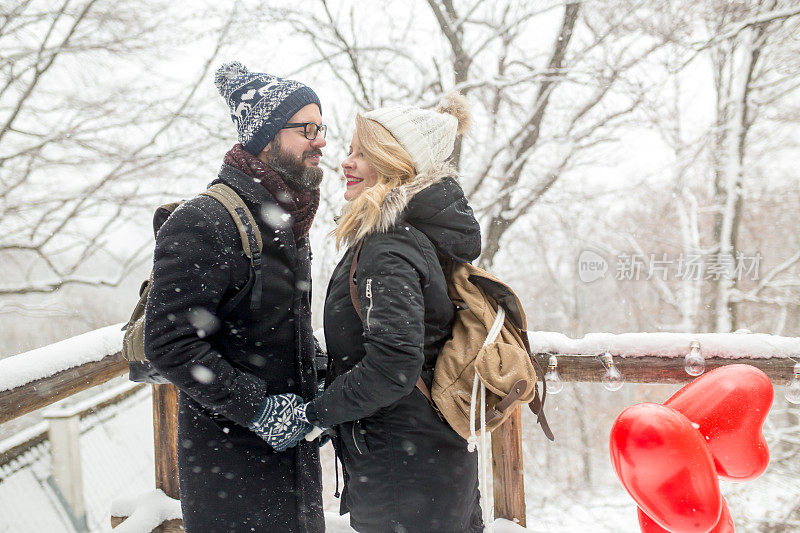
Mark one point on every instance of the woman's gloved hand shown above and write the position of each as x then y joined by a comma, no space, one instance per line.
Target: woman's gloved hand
324,434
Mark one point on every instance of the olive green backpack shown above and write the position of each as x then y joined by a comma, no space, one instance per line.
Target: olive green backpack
133,341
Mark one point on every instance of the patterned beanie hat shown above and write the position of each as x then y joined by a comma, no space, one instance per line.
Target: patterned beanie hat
261,104
428,136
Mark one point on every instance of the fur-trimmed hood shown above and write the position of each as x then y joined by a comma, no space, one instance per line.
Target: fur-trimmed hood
435,204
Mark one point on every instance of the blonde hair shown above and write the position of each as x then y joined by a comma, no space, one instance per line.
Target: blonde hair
394,168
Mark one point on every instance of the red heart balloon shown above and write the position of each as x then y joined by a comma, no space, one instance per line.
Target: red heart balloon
724,525
665,465
729,405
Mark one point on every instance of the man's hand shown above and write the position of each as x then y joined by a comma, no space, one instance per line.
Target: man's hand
280,423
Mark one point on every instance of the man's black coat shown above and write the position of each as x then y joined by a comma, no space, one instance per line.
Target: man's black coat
230,479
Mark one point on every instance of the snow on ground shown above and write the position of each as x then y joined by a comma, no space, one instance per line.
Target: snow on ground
340,524
117,460
154,505
43,362
116,450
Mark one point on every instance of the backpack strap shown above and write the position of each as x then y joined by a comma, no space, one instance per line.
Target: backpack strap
537,404
252,243
517,390
248,230
423,388
352,278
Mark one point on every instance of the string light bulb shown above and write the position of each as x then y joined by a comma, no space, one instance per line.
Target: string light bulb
793,387
693,363
551,377
612,379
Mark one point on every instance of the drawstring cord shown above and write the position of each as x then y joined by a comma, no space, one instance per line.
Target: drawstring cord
473,441
336,492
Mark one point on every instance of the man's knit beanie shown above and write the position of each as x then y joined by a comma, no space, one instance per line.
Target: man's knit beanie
261,104
428,136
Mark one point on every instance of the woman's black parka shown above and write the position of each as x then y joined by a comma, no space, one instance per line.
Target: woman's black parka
404,468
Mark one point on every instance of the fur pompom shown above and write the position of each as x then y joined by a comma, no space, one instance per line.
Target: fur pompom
456,104
226,73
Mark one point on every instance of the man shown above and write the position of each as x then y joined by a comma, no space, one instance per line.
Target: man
242,372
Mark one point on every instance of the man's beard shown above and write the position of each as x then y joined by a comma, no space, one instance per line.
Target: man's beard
293,169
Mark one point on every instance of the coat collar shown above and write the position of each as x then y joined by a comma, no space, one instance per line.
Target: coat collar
256,196
248,188
396,200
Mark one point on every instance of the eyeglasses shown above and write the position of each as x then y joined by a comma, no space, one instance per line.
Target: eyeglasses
310,129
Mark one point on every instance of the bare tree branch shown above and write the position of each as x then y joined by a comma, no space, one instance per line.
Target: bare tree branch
758,20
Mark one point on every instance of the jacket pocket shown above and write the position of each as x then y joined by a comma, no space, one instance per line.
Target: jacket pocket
358,436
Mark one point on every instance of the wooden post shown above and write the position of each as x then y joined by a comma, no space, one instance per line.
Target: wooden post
65,462
165,442
165,433
509,486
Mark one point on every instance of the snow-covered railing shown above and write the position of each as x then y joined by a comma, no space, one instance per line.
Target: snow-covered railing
40,377
35,379
660,357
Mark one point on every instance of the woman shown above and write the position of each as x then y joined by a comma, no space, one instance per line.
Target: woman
404,468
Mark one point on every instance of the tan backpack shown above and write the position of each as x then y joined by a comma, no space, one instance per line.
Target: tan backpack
133,341
489,346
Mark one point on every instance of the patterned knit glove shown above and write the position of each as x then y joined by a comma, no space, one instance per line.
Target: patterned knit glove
279,422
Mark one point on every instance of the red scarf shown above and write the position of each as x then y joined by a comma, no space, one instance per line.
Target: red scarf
301,205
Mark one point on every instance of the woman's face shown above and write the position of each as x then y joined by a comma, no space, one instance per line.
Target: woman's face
358,174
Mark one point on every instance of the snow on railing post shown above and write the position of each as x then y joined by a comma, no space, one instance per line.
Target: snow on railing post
139,513
65,462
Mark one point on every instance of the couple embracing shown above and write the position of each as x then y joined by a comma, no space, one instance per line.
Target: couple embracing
250,391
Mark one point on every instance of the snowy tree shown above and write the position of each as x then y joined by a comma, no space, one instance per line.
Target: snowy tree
550,83
689,208
749,44
91,131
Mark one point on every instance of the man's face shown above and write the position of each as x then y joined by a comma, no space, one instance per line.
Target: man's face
294,156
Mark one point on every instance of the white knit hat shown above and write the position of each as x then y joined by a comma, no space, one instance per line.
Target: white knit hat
428,136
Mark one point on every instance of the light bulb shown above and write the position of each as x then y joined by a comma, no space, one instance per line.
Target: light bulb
793,387
693,363
612,379
551,377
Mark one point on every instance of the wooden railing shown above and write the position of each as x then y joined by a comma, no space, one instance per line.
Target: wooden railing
509,492
42,392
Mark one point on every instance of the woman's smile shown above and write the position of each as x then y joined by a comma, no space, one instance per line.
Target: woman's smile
352,180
